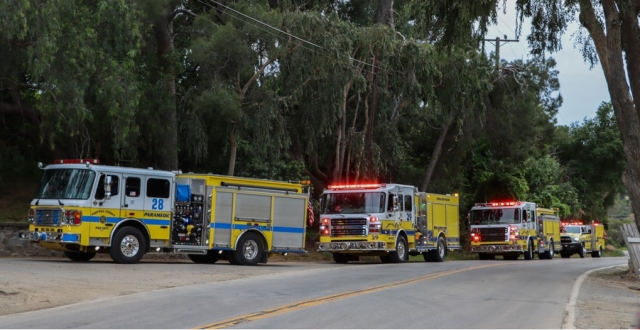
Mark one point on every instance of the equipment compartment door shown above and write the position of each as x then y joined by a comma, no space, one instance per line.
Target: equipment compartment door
252,211
288,222
223,213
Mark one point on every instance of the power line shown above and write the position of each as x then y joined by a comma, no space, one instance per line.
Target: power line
276,29
514,34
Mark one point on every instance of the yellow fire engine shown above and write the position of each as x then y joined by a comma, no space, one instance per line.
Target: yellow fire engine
509,229
390,220
582,239
84,208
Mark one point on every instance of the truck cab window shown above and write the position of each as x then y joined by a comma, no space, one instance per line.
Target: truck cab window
158,188
407,203
114,187
132,187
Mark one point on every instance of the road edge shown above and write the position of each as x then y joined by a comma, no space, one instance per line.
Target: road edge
570,308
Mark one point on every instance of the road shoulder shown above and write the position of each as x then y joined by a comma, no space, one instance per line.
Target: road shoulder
604,298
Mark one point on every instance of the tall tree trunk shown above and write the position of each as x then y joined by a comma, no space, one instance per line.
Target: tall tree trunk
435,155
620,27
233,147
384,13
166,143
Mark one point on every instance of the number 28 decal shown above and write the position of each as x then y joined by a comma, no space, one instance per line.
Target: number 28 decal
157,204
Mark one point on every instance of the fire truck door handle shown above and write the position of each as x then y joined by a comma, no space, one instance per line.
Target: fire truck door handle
126,205
164,227
108,224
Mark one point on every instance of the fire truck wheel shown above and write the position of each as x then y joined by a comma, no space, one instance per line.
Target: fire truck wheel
565,255
400,254
441,252
340,258
582,252
128,246
79,256
551,253
528,255
597,253
249,250
385,259
484,256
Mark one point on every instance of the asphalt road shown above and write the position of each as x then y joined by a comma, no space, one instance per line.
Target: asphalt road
453,294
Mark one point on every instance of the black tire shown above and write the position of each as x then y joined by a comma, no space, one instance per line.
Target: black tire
597,253
528,255
582,251
552,251
249,250
385,259
440,252
128,246
484,256
510,256
79,256
565,255
340,258
210,258
401,253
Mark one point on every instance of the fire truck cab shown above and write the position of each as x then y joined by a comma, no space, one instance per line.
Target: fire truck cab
389,220
579,238
509,229
83,208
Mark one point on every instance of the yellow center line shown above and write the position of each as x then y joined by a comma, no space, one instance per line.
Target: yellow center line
318,301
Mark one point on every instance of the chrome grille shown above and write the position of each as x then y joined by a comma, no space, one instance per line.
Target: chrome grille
493,234
349,227
565,240
48,217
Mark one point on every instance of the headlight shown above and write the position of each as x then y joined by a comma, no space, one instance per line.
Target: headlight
574,239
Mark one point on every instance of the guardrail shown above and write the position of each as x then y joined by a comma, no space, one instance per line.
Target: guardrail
632,240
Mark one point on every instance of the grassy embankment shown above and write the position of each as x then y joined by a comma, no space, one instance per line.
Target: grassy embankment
15,198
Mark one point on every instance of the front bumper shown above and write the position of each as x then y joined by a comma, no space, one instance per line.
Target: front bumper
493,248
571,247
351,246
49,237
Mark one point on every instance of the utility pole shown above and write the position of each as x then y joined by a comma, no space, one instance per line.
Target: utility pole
497,40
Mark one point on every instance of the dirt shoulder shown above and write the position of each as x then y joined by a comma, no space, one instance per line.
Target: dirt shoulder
46,282
609,299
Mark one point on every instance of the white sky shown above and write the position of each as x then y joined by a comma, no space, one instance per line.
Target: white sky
582,89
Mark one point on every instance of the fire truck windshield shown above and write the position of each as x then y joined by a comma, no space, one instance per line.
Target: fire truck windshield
495,216
572,229
353,202
66,184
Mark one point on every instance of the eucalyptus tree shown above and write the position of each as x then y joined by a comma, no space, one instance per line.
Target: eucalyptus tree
69,69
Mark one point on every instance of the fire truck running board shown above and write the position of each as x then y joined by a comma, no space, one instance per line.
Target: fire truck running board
191,250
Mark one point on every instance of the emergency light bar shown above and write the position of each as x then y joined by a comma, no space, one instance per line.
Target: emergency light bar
499,204
76,161
358,186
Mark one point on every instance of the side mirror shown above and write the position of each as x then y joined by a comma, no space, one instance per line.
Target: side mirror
589,231
107,187
395,204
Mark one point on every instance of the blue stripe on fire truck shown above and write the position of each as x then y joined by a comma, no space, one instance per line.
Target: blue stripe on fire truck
276,229
91,218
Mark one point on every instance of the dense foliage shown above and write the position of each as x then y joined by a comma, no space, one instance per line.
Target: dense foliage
327,90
